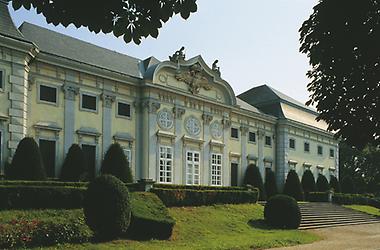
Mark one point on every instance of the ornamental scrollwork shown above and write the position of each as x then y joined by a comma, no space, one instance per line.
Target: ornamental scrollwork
194,77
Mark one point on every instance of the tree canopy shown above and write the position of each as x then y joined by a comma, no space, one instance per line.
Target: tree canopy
132,19
341,39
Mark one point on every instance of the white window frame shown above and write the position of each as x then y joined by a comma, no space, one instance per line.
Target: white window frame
163,163
49,86
81,102
195,165
333,150
216,170
128,155
117,109
265,140
294,143
238,136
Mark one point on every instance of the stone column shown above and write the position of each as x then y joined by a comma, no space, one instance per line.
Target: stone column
108,99
244,163
69,115
207,118
260,144
178,145
282,148
226,163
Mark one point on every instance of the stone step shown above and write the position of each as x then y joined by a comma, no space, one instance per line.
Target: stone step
327,221
315,226
336,217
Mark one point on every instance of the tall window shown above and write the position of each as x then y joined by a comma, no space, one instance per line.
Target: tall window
48,94
216,169
306,147
1,79
268,141
251,137
234,133
331,152
320,150
166,164
89,102
292,143
192,167
123,109
128,155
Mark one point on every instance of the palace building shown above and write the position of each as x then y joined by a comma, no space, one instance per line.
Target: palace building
178,121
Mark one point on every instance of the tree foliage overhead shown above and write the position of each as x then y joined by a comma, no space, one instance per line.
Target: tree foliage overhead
132,19
341,39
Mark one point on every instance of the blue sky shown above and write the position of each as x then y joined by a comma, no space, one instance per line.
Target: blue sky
255,41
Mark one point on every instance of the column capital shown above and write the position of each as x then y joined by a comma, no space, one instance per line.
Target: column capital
207,118
70,91
226,122
244,129
178,112
108,99
151,106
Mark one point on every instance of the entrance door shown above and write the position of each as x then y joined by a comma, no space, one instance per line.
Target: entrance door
234,174
89,152
1,149
47,149
192,168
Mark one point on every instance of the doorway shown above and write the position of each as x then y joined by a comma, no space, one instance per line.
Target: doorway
89,152
47,149
234,174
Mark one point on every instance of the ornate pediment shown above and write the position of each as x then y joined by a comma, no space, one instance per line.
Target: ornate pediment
195,77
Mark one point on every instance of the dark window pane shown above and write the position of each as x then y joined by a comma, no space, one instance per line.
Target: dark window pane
268,141
307,147
252,137
47,149
320,150
123,109
48,94
292,143
331,152
234,133
1,79
89,102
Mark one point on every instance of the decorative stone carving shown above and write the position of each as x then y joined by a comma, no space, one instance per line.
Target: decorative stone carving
194,77
179,55
215,67
108,99
70,91
244,129
179,112
192,126
207,118
261,133
165,119
226,122
152,106
216,130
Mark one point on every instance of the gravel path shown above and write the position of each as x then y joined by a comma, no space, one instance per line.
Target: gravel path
360,237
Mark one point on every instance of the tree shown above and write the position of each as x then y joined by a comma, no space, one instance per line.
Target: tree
253,177
322,183
308,182
115,163
348,185
74,165
27,162
334,184
341,40
293,186
270,184
132,19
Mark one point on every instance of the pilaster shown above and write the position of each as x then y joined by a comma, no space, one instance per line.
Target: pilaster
260,144
282,151
226,162
178,145
243,131
108,99
70,91
207,118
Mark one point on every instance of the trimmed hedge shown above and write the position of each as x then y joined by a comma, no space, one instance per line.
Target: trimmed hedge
322,183
74,166
356,199
317,196
334,184
308,182
190,197
293,186
115,163
282,211
149,218
253,177
43,183
197,187
270,184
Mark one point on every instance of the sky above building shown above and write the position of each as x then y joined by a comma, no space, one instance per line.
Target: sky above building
255,41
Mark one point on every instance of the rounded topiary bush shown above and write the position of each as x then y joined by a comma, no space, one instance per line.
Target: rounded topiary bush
322,183
115,163
107,207
27,162
308,182
348,185
270,184
282,211
293,186
74,165
253,177
334,184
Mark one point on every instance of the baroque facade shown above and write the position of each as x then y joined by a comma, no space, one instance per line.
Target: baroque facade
178,121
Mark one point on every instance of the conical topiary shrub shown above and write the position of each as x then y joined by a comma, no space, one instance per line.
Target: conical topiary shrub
293,186
322,183
334,184
74,165
116,164
27,162
253,177
270,184
308,182
348,185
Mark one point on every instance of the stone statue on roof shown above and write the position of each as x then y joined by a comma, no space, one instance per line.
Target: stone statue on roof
178,55
215,67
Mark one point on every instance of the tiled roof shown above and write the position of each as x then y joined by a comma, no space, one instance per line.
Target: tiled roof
7,26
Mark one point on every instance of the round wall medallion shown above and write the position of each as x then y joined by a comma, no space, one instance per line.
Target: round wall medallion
165,119
193,125
216,130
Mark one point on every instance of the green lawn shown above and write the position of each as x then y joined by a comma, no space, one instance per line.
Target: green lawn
365,209
215,227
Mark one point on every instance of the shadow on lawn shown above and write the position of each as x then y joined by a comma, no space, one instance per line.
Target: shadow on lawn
260,224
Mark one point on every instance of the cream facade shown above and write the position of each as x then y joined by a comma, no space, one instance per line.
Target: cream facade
178,121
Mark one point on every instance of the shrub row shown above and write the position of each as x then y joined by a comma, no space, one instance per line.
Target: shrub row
190,197
317,196
356,199
197,187
150,218
43,183
37,197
